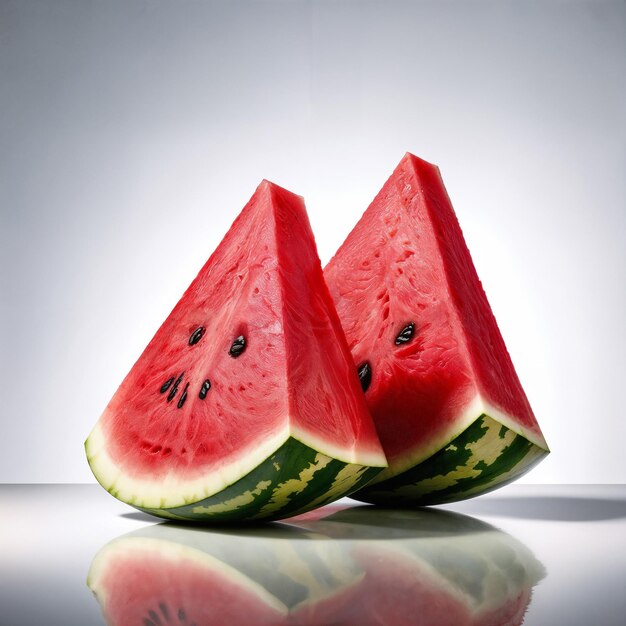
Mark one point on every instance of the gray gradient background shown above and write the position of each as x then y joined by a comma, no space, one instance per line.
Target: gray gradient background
132,133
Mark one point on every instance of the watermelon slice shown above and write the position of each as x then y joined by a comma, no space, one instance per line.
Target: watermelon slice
449,408
361,566
245,404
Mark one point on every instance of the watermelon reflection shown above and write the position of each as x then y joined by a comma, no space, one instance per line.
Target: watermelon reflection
357,565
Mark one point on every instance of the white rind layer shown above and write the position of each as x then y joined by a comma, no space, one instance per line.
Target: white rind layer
477,407
171,491
373,457
177,553
511,422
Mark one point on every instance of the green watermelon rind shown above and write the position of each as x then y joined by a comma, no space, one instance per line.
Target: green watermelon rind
426,448
485,456
295,478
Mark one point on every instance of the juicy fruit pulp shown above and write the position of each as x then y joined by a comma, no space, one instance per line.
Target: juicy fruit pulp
414,311
245,404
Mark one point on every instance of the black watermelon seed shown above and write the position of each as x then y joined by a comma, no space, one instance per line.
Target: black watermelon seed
206,385
148,622
182,616
239,345
365,375
196,335
174,389
406,334
183,397
167,384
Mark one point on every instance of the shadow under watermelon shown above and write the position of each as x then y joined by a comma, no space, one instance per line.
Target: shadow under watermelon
562,509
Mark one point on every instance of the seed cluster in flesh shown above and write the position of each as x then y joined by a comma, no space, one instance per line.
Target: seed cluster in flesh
174,389
365,369
237,348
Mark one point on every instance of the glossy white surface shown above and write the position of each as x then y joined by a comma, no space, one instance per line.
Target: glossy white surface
576,535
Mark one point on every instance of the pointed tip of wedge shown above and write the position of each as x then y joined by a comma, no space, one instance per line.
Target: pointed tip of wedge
276,191
417,164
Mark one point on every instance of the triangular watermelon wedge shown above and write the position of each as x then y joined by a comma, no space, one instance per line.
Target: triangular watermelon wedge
245,404
451,413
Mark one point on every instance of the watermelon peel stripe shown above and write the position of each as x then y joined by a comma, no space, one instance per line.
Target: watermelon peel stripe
485,456
473,412
293,480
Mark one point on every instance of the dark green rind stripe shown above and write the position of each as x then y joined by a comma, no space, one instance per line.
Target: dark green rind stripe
295,479
485,456
315,494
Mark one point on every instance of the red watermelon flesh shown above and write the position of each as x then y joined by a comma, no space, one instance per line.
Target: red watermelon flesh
251,355
413,310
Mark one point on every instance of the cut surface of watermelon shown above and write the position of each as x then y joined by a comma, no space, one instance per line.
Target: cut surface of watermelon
245,403
418,322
